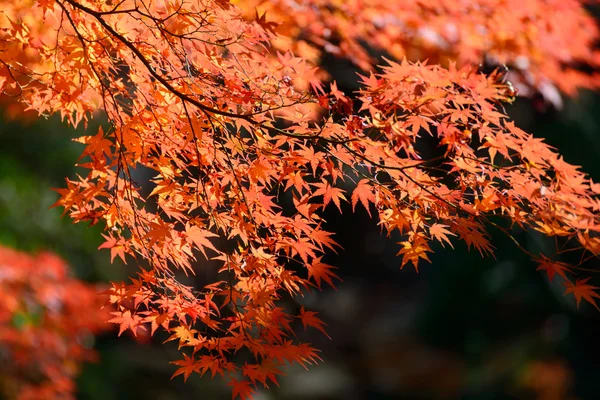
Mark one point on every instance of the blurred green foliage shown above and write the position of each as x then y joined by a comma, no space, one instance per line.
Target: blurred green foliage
35,157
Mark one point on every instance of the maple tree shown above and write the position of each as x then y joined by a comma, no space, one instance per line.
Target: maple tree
47,323
230,111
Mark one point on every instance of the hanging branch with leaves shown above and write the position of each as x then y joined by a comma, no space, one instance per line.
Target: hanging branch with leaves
207,97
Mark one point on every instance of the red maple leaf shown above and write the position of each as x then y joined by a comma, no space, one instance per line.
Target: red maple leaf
321,271
309,318
581,290
241,389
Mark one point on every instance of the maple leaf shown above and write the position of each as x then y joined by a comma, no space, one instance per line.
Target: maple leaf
97,145
329,194
200,238
116,249
188,366
269,26
595,187
474,235
309,318
267,370
318,271
581,290
304,354
323,239
241,389
211,362
553,267
302,247
439,232
414,249
186,336
127,320
363,193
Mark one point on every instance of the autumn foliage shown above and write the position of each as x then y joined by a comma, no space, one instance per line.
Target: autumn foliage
248,144
47,325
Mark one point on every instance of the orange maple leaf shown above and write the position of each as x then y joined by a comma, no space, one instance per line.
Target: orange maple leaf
439,232
309,318
414,249
363,193
188,366
329,193
321,271
200,238
115,246
127,320
553,267
581,290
